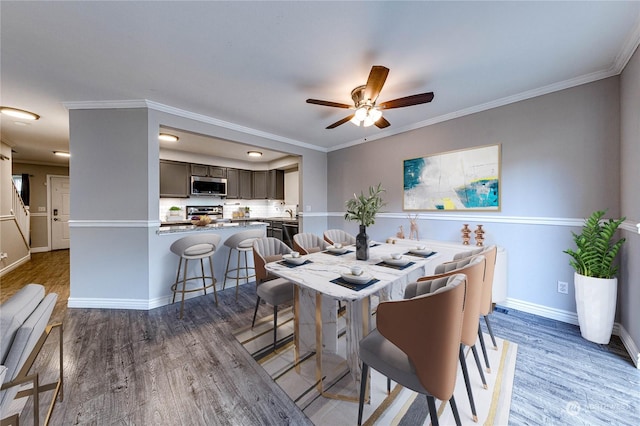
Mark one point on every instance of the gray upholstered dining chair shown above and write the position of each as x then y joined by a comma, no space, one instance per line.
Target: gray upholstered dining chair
418,357
333,236
270,288
306,242
474,269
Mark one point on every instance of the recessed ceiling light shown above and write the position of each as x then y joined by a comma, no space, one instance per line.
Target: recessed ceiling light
168,137
19,113
62,154
254,153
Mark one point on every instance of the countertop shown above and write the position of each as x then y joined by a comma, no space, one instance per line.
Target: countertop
167,228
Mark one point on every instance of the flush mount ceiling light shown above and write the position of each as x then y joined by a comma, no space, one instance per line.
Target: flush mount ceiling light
254,153
168,137
62,154
18,113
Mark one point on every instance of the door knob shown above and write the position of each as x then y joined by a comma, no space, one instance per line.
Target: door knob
56,219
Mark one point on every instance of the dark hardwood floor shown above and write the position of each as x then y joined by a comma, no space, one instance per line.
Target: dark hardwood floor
148,367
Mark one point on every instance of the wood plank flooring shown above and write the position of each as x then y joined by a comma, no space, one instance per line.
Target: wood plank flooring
148,367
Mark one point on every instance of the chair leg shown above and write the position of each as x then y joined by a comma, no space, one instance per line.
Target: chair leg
454,408
213,280
493,339
226,271
275,326
484,349
477,358
433,412
255,313
184,287
237,275
204,281
388,386
177,281
467,383
363,390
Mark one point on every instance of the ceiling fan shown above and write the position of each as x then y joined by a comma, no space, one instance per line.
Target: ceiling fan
367,112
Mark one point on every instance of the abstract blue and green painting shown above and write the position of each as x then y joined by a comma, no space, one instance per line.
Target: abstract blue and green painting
457,180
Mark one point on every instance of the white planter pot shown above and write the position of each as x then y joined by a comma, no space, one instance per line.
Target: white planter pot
596,306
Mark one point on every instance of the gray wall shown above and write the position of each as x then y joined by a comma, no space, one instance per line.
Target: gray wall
560,161
630,200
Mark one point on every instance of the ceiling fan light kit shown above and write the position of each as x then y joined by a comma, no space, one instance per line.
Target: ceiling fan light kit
19,113
364,98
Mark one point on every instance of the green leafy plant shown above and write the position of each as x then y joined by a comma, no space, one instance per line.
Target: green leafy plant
363,208
174,208
596,249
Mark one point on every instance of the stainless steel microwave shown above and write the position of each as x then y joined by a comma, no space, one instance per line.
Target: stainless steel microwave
201,185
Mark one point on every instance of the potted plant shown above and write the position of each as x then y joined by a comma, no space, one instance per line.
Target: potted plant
363,209
594,279
175,211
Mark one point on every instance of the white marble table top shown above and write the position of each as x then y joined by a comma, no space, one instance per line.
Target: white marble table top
326,267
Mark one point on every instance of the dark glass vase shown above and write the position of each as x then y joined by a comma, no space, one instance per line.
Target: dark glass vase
362,244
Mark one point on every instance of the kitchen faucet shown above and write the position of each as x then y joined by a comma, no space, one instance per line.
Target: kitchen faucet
290,213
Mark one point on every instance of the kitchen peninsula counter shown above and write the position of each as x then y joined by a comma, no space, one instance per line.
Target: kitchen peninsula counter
182,227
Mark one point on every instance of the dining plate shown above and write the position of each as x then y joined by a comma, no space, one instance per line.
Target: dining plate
423,252
293,260
395,262
356,279
333,249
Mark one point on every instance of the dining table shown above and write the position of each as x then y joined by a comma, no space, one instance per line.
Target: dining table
320,279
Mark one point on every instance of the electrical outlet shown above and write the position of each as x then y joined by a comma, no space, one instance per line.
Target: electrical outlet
563,287
42,209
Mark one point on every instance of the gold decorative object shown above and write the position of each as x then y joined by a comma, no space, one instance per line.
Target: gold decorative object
479,236
413,233
466,234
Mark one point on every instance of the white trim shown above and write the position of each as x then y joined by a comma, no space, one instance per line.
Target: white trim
90,302
628,48
572,318
143,103
39,249
540,310
114,223
628,343
555,87
15,264
39,214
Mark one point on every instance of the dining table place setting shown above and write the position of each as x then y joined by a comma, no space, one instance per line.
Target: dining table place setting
293,260
337,250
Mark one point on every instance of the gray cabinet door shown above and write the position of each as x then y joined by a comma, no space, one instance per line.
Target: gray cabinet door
217,172
245,184
275,189
260,184
233,183
199,170
174,179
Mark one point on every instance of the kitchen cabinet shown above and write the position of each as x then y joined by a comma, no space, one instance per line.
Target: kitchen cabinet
210,171
260,184
174,179
233,183
246,184
275,187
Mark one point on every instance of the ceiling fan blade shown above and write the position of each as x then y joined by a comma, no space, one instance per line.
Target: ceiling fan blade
421,98
382,123
328,103
376,80
338,123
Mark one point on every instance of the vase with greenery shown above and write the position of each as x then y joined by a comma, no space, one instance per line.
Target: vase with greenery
595,279
363,209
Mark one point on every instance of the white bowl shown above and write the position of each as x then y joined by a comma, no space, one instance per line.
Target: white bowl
356,279
333,249
424,252
293,260
396,262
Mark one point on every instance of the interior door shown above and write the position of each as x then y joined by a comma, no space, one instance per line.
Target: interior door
59,214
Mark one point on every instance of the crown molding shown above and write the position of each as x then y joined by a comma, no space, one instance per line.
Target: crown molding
144,103
628,48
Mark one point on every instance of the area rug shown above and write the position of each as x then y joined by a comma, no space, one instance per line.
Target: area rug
400,407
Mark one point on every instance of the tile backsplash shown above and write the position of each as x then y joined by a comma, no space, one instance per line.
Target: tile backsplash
257,208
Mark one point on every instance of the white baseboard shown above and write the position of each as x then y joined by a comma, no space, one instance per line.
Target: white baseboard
572,318
15,264
134,304
39,249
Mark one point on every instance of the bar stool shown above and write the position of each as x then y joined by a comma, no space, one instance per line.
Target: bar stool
242,243
194,247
